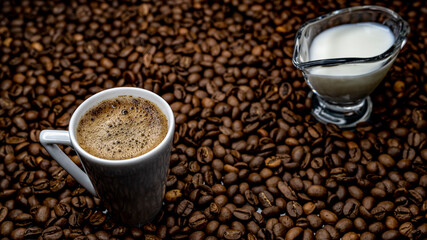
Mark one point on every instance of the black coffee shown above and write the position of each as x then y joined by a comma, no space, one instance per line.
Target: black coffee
121,128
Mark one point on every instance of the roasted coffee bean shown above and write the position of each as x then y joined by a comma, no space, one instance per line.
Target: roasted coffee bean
316,191
379,212
333,232
279,230
344,225
97,218
390,234
197,220
59,173
252,227
3,213
266,199
242,214
237,225
18,233
314,221
265,233
406,229
367,236
402,214
184,208
387,205
350,236
308,234
391,222
273,162
271,211
355,192
62,209
287,191
32,232
119,231
78,201
293,233
42,214
421,230
14,212
415,196
204,155
76,219
23,219
322,234
173,195
296,184
376,227
251,197
6,228
53,232
360,224
351,208
212,226
56,185
197,235
294,209
26,178
259,218
232,234
309,207
328,216
368,202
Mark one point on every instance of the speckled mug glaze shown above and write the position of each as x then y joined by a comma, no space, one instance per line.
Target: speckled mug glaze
131,189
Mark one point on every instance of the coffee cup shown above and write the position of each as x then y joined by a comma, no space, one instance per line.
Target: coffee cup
132,189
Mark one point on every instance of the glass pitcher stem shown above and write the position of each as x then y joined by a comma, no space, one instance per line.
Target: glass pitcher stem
345,116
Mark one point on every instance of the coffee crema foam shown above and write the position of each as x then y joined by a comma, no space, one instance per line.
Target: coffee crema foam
121,128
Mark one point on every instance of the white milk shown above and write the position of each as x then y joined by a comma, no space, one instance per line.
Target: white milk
351,40
350,82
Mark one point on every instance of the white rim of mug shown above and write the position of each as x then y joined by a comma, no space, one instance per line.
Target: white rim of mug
103,95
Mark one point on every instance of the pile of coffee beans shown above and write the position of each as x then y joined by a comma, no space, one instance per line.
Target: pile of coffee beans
249,161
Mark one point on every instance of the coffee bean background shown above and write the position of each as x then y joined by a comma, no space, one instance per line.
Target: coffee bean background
249,161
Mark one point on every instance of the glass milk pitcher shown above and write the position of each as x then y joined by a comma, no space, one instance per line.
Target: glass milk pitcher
339,98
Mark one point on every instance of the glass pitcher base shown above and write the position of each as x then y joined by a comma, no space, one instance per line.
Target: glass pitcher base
344,116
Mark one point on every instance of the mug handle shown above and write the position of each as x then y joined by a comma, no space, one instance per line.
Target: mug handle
49,139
